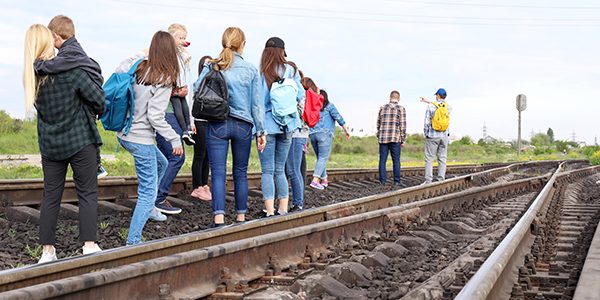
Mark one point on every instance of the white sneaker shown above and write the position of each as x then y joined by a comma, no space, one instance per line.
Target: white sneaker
157,215
90,250
48,256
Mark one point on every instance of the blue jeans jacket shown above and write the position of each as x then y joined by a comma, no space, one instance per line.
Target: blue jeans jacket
242,86
264,94
329,116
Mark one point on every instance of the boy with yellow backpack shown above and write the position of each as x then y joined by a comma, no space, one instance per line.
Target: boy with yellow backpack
437,121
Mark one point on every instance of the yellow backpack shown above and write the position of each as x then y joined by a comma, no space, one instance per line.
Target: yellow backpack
441,117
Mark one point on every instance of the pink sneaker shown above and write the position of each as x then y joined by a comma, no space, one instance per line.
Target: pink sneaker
316,185
325,183
201,194
207,189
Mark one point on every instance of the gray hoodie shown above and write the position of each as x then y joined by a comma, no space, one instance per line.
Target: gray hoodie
150,104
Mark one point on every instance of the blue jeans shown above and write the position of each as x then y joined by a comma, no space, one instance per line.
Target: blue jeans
175,162
293,170
272,164
394,149
218,135
321,144
150,167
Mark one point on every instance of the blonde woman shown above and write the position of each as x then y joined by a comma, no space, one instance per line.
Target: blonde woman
246,114
65,136
179,95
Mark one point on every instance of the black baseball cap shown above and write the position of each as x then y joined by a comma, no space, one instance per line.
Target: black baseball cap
276,42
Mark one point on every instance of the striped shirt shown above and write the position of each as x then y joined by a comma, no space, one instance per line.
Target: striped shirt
391,124
428,130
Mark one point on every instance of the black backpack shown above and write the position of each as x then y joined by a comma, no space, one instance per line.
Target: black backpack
211,100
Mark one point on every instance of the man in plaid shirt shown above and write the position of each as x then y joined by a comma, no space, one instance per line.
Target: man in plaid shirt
391,134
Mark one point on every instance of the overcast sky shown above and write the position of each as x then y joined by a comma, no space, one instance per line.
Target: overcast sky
484,53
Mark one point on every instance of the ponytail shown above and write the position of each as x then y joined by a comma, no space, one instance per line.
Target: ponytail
225,59
233,40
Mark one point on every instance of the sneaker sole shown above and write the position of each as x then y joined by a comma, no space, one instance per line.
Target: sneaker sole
156,220
169,212
201,198
102,175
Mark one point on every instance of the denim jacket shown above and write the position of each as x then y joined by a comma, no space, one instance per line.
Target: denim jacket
264,94
242,86
327,120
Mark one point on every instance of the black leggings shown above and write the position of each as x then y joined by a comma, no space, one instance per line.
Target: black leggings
182,112
200,163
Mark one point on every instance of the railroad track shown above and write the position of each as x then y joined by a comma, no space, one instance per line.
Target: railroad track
21,198
19,239
20,192
542,257
238,261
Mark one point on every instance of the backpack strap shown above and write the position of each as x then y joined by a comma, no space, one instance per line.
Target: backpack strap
129,119
438,105
134,67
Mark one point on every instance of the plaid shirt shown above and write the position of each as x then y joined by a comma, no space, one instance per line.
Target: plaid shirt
428,130
66,104
391,124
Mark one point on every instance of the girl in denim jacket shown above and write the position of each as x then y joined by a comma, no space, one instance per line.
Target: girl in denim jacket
246,115
321,139
275,67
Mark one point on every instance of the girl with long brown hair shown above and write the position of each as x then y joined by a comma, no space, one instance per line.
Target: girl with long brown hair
157,75
321,139
274,68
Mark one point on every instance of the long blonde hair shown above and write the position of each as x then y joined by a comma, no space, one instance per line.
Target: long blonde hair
39,45
233,41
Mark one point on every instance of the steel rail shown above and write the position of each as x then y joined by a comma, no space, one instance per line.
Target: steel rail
29,191
496,276
11,279
197,272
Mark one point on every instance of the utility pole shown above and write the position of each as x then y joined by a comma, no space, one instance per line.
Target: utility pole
521,106
484,131
574,137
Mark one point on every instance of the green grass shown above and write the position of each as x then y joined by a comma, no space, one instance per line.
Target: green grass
358,152
35,252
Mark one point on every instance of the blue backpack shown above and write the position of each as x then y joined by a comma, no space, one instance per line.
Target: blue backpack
118,91
283,94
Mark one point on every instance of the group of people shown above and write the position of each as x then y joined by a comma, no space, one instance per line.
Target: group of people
66,90
391,135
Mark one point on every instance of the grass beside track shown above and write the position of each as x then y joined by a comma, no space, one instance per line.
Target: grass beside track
359,152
